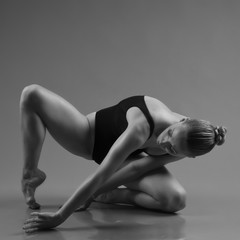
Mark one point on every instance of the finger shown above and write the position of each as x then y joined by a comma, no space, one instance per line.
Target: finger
39,215
31,230
34,214
30,220
29,226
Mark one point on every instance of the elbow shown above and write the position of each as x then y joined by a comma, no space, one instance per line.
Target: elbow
135,169
101,179
92,183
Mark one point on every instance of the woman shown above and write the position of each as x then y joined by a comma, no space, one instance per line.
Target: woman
131,141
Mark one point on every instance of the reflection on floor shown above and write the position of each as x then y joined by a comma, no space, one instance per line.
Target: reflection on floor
205,218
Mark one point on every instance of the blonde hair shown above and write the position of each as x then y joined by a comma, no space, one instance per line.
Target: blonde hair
202,136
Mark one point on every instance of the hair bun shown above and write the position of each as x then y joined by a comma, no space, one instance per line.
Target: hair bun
220,135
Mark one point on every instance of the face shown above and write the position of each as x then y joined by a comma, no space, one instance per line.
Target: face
172,140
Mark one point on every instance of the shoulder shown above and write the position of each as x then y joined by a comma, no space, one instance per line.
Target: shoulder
138,125
154,104
137,120
160,112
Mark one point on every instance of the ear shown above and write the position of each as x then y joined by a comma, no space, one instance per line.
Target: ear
184,119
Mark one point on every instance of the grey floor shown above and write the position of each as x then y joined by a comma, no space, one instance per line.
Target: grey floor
210,216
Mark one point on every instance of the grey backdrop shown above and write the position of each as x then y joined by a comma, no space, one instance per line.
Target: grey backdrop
94,53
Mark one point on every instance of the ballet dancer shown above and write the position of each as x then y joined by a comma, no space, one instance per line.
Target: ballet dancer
132,141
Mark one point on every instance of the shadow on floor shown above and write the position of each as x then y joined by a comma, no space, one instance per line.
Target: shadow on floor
106,221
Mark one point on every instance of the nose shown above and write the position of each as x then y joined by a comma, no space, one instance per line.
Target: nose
161,139
163,145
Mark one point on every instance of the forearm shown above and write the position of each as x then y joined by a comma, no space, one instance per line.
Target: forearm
124,175
128,142
95,185
134,170
79,197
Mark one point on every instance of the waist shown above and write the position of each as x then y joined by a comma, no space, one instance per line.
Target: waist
91,120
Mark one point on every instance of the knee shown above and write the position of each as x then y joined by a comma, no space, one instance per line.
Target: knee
30,95
177,201
172,202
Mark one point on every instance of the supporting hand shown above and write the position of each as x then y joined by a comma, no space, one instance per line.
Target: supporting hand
41,221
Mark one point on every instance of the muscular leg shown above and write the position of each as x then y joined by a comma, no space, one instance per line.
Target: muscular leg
41,109
157,190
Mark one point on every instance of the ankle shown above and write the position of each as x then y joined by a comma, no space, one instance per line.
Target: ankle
27,173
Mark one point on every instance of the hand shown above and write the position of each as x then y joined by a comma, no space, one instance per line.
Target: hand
41,221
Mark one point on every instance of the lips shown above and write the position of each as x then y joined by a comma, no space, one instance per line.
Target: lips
163,146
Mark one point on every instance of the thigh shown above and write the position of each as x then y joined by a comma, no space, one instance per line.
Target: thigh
64,122
158,183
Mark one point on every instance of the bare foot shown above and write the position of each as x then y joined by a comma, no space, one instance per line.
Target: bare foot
30,182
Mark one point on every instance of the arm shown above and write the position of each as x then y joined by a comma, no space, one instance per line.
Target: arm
151,162
130,171
131,139
125,144
136,168
124,174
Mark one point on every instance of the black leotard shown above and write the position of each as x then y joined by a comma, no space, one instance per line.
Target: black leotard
111,122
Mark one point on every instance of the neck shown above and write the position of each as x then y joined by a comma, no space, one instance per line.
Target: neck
170,120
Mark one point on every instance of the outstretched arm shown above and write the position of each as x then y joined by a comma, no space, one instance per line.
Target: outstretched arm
131,170
131,139
136,168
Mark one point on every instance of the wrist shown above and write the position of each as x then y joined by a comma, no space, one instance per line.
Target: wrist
59,218
62,215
